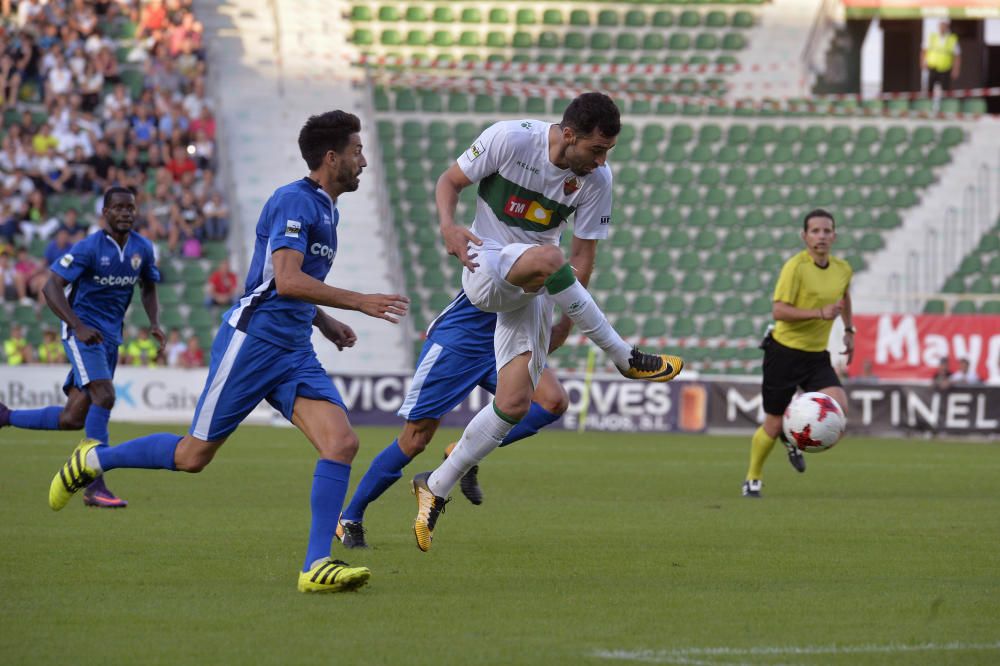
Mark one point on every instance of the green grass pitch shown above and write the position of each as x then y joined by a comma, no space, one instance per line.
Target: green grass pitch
590,549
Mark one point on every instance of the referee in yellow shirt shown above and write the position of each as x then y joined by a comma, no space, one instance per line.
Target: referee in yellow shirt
812,291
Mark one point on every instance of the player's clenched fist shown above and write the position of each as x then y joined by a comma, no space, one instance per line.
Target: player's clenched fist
385,306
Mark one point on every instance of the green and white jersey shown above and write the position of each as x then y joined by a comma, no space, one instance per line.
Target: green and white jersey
523,197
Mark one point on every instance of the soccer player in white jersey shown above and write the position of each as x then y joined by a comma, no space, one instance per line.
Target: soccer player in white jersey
532,177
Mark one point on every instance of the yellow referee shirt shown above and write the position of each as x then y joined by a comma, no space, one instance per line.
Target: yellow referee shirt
805,285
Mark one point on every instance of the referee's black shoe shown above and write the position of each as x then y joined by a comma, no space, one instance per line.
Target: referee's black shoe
795,456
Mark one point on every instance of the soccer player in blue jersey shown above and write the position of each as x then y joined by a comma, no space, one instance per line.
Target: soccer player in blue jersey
457,357
263,350
90,289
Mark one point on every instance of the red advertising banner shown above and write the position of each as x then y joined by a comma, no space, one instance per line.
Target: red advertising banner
913,346
917,8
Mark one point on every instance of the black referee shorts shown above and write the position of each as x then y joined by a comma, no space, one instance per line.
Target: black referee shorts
786,369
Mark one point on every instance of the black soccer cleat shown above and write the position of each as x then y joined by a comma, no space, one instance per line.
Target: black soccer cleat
470,486
795,457
751,488
352,534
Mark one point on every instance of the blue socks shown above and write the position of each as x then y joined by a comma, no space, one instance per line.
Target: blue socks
328,492
149,452
385,470
96,425
536,419
46,418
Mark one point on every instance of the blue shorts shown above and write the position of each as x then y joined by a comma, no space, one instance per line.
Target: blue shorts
245,370
89,362
443,380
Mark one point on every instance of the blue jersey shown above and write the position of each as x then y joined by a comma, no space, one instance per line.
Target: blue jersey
102,277
302,217
464,329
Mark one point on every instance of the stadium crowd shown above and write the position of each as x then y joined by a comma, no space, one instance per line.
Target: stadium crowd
97,93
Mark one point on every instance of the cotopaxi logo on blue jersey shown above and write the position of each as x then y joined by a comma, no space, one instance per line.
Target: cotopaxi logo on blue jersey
324,251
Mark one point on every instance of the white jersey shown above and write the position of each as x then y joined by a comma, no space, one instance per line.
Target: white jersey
523,197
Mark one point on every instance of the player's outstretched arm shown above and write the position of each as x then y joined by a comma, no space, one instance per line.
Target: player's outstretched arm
55,297
456,237
291,282
847,314
151,304
335,331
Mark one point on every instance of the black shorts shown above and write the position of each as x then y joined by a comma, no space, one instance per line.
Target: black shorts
786,369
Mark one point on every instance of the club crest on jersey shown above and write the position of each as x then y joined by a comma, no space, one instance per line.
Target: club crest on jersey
475,150
136,262
528,210
66,260
292,228
570,185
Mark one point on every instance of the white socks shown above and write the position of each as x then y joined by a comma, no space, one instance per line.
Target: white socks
483,434
579,306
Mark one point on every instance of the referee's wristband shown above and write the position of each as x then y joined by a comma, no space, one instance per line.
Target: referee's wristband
851,329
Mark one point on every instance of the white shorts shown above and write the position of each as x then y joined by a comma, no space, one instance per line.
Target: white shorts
524,319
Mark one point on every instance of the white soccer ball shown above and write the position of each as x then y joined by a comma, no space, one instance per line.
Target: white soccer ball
814,422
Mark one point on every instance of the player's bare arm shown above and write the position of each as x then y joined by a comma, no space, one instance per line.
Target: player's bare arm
291,282
456,237
582,254
334,330
55,296
782,311
151,304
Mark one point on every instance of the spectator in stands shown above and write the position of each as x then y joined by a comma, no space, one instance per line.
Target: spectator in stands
71,224
223,286
38,223
118,130
205,122
100,164
117,100
51,351
91,86
192,356
27,60
868,373
73,136
10,81
144,129
12,285
173,349
216,217
942,378
43,139
141,350
59,79
965,375
16,349
180,163
58,246
942,58
106,64
53,171
153,19
33,272
79,172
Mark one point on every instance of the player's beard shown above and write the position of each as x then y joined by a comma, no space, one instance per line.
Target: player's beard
349,180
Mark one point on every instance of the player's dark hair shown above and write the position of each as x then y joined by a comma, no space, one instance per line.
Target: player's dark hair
116,189
592,111
327,131
818,212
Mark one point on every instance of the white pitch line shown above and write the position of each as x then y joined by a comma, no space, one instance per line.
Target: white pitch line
696,656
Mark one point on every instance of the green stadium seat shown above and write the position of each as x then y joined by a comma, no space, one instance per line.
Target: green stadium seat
663,18
471,15
552,17
579,17
607,18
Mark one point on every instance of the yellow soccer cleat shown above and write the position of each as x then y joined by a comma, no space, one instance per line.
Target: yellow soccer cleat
73,476
429,507
652,367
333,576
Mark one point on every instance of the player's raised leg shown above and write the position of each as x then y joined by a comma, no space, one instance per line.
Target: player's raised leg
327,428
547,263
